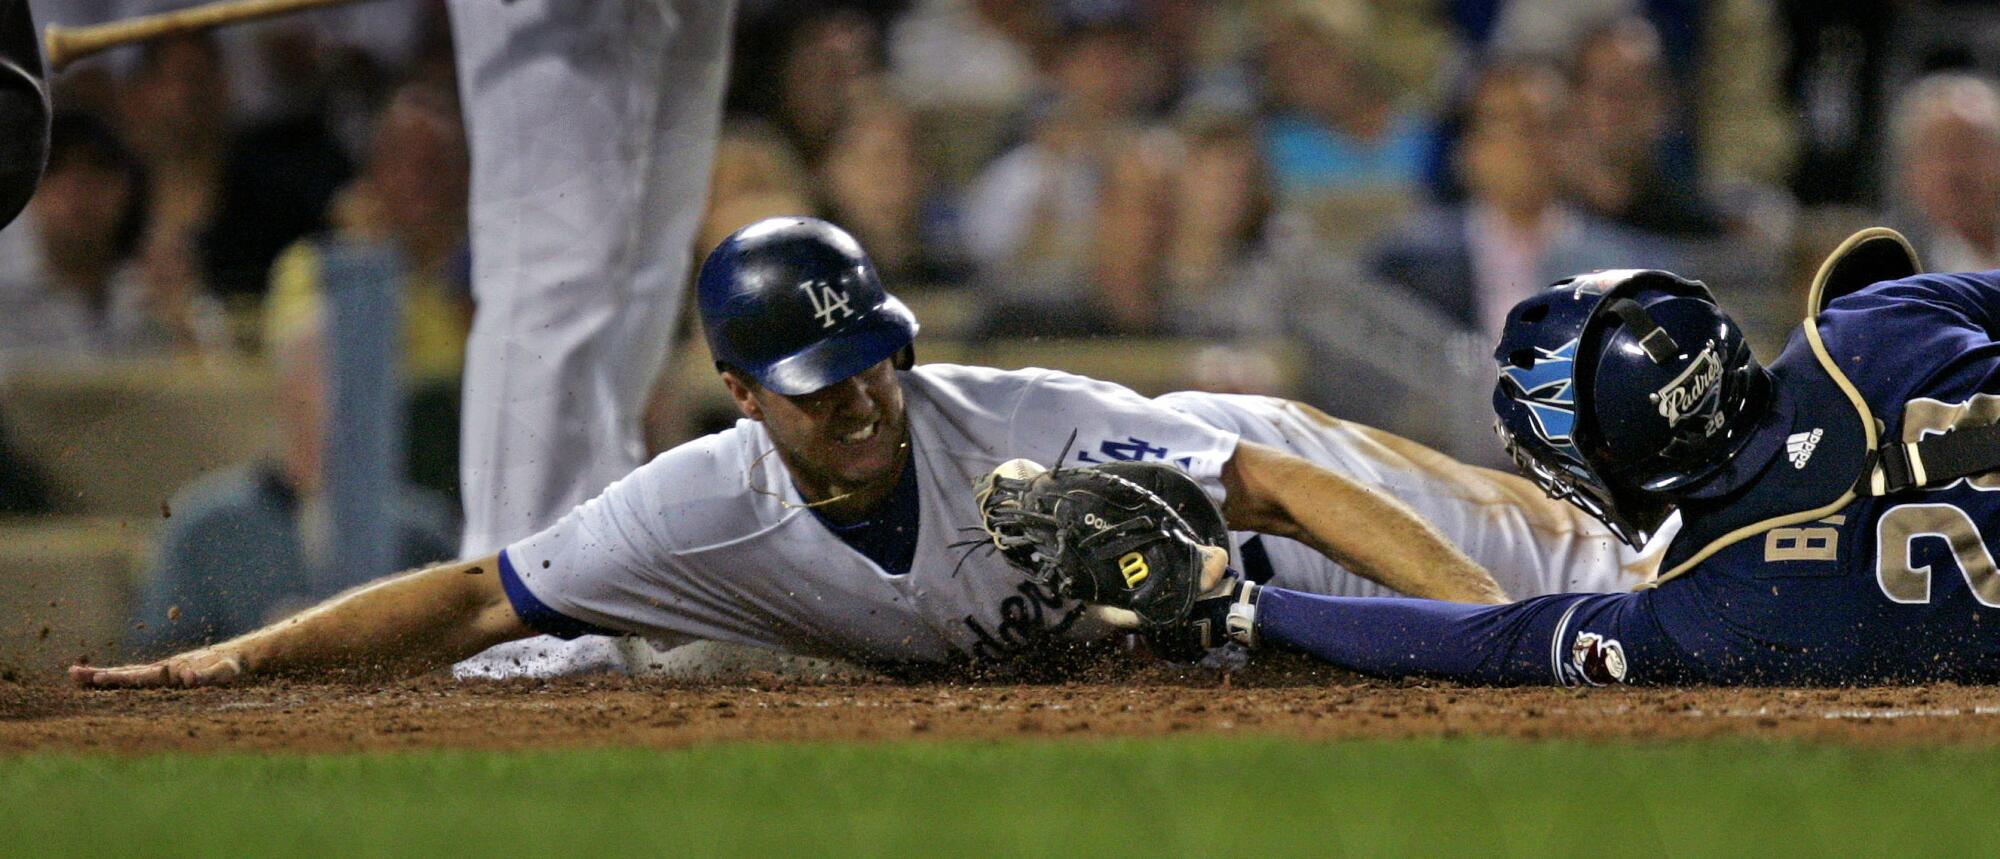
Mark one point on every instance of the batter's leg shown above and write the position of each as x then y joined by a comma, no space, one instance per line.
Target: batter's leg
592,127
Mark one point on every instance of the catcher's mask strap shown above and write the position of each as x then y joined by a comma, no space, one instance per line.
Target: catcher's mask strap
1658,344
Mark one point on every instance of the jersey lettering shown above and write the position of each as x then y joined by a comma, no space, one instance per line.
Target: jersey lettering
1132,449
1903,580
1802,544
1898,531
1021,628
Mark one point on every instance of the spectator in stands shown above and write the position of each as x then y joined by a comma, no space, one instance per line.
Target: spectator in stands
1624,158
174,108
757,175
1225,266
832,60
253,543
872,182
1105,63
283,166
1946,138
1120,286
1031,220
1232,265
1513,234
1334,124
70,285
969,54
410,195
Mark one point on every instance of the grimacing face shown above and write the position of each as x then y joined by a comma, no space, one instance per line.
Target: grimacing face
848,438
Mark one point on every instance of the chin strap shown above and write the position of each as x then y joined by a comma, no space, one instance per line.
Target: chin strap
1658,344
1933,460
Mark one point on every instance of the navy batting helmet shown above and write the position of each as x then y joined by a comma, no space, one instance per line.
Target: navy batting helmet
1621,391
795,304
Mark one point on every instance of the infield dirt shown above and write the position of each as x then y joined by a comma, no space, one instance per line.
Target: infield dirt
42,714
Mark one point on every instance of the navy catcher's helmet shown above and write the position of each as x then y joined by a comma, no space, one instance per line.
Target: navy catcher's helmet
1622,391
795,304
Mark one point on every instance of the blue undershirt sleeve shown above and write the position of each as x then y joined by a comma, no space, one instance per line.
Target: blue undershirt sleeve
538,614
1536,641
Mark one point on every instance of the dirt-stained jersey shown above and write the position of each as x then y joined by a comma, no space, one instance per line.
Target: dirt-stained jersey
712,541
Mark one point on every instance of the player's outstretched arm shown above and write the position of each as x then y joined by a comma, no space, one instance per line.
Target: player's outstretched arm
400,624
1366,530
1563,639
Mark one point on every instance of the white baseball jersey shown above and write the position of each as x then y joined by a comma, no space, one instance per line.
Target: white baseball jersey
711,540
1532,545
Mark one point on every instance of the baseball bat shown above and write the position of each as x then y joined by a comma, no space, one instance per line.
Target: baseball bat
65,45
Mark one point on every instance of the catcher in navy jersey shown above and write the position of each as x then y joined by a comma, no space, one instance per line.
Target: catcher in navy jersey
1837,507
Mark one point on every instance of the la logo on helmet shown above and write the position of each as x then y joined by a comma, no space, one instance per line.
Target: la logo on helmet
826,300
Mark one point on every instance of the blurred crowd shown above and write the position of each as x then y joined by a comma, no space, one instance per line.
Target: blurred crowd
1376,181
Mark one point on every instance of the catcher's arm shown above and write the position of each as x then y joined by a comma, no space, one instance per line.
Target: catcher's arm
1367,531
409,622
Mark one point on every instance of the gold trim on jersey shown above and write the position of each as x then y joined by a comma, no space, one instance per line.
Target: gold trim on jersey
1815,302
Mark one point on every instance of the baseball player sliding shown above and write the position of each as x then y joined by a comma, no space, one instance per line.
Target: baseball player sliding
837,518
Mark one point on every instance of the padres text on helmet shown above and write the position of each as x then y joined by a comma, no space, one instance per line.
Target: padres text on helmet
1621,391
795,304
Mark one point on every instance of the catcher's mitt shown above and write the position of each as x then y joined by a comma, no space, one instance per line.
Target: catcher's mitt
1098,536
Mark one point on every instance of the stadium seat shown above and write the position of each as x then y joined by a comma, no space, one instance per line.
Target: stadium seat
66,585
118,439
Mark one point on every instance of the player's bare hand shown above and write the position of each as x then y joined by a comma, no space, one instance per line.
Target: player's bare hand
204,667
1214,565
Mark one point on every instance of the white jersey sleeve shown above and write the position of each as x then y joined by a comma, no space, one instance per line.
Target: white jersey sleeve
1087,421
619,563
1532,545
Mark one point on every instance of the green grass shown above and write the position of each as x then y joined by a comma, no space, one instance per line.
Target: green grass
1201,796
